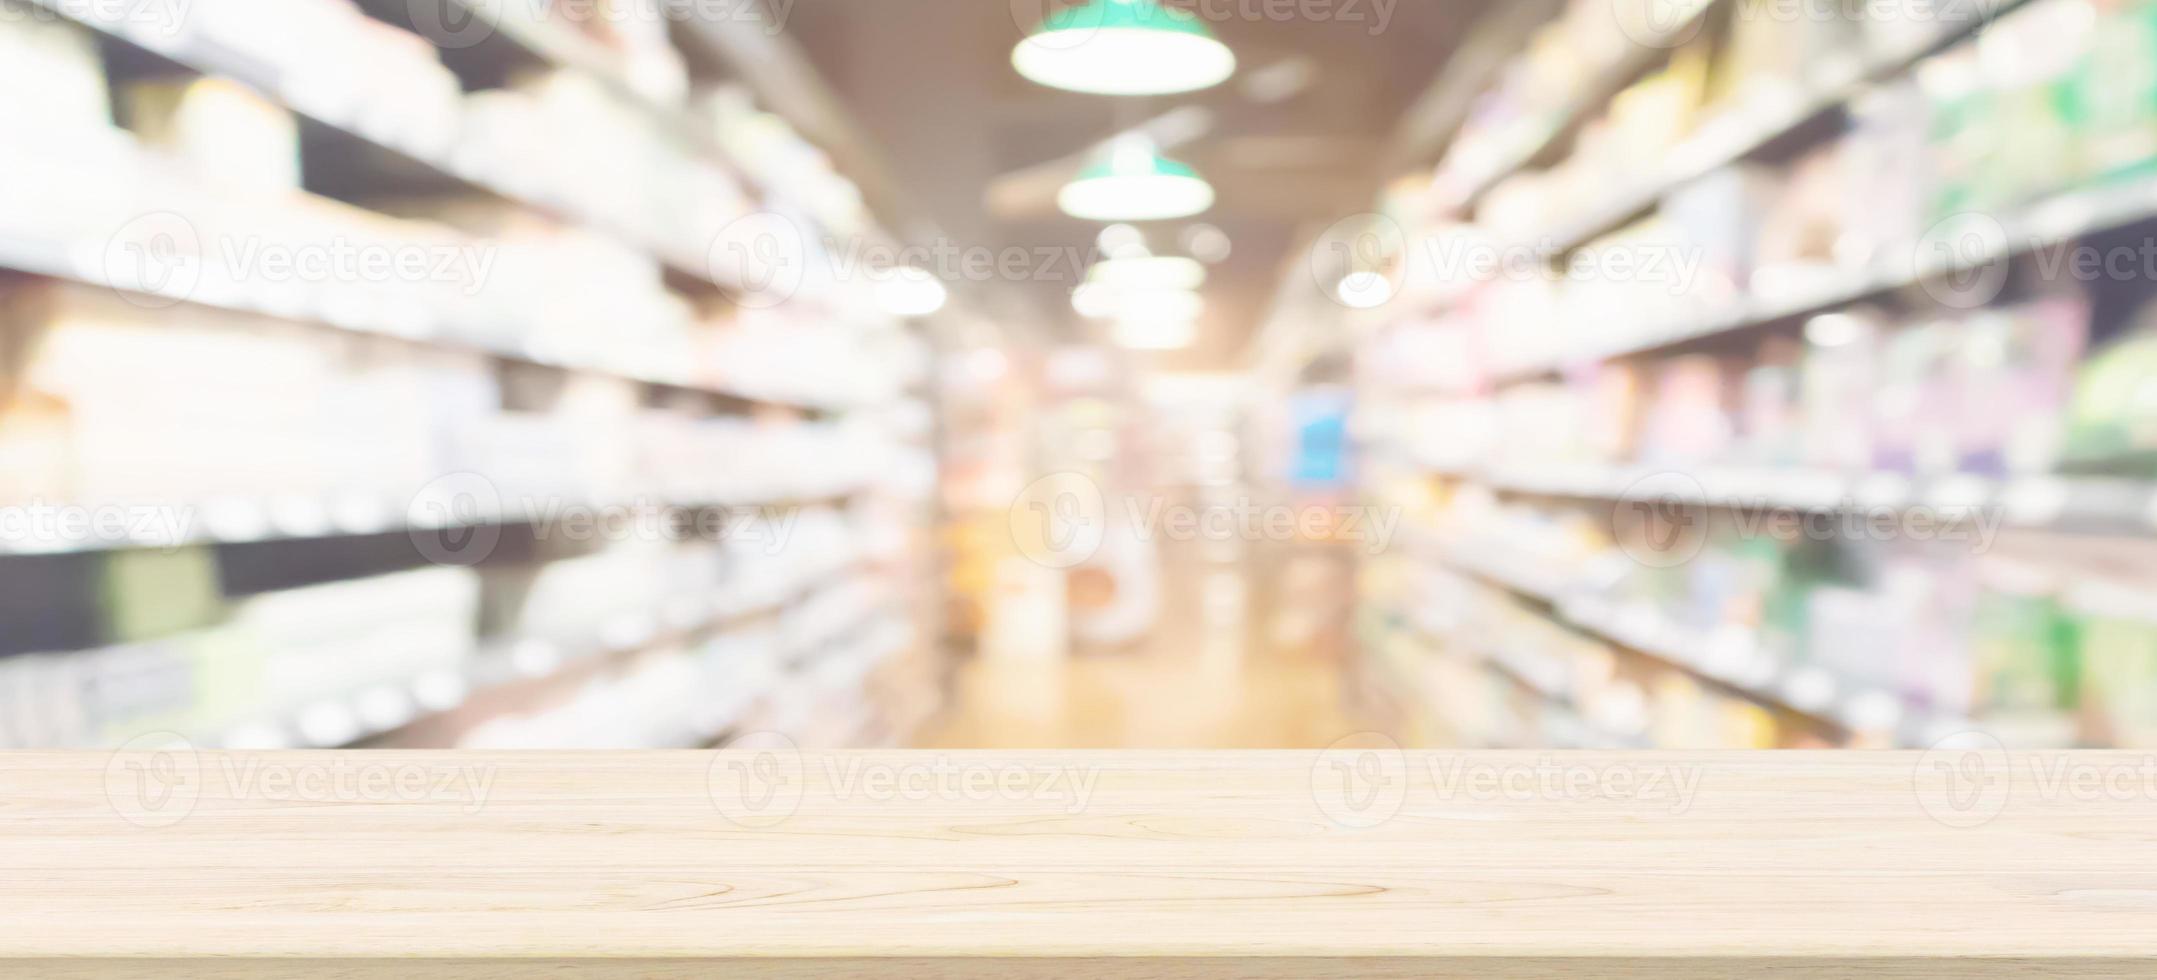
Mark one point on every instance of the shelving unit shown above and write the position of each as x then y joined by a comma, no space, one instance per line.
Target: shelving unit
245,521
669,369
1533,142
1543,433
2063,218
2085,504
188,49
1742,131
381,711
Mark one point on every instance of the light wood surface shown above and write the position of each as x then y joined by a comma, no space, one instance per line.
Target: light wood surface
1347,863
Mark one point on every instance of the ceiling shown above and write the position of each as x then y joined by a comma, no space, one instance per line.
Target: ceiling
1294,146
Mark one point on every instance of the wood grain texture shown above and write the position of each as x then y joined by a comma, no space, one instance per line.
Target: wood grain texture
1252,864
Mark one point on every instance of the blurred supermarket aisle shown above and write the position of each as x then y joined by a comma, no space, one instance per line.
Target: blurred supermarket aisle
1646,373
1216,673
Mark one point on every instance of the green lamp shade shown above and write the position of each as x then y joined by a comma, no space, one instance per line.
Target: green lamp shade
1136,184
1124,47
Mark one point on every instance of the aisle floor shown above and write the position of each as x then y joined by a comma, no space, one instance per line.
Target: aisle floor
1214,675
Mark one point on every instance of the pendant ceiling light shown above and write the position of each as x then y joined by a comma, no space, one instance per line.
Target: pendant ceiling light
1136,184
1124,47
1155,334
1148,272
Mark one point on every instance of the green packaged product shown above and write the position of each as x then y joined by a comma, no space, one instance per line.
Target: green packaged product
2023,645
151,593
2115,402
2119,661
2113,99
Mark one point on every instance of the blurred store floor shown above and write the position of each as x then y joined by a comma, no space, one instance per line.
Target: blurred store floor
1235,663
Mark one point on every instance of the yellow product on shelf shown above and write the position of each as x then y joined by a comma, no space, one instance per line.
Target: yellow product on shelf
36,457
1685,718
1746,725
220,128
1659,111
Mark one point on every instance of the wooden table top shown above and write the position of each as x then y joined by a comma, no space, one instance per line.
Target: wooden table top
163,861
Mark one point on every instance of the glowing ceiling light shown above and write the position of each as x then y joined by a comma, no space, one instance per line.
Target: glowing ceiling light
1365,290
1094,302
1153,272
1124,47
1144,334
911,292
1121,241
1157,304
1136,184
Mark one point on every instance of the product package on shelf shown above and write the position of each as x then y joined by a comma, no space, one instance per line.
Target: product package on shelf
220,130
334,640
319,50
2114,411
564,138
119,404
575,601
52,77
776,156
277,657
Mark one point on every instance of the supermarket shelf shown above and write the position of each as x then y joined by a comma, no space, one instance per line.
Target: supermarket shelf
1533,141
383,709
552,42
2068,503
64,260
1729,658
187,49
238,521
1741,131
2062,218
1532,678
